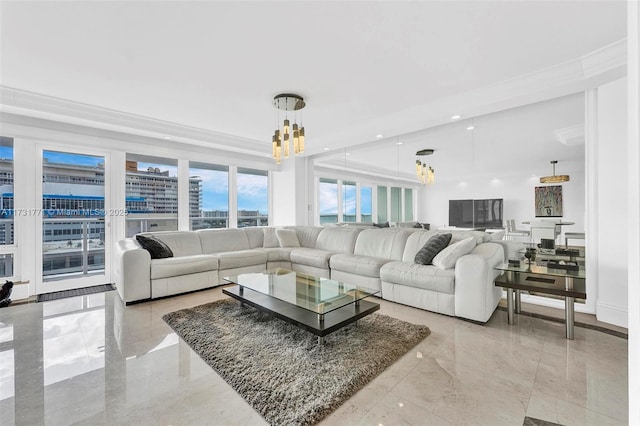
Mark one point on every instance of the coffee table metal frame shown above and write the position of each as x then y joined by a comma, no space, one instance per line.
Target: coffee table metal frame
319,322
559,282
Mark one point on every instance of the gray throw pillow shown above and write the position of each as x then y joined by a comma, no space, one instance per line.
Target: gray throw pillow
156,248
434,246
381,225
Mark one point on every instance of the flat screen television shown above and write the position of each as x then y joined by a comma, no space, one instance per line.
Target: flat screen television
476,213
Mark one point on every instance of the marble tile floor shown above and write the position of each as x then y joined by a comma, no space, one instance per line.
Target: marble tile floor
89,360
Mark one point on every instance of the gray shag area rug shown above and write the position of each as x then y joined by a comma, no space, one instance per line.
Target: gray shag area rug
280,369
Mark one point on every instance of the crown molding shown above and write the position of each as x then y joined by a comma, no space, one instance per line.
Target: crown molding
337,167
604,60
35,105
570,136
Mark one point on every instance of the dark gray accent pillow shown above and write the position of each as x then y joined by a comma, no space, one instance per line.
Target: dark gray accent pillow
156,248
381,225
417,225
426,226
434,246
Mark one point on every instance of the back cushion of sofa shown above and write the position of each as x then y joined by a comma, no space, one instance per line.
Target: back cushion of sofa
181,243
223,240
307,235
255,236
339,240
415,242
388,243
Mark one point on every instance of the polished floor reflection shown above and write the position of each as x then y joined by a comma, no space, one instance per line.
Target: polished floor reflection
90,360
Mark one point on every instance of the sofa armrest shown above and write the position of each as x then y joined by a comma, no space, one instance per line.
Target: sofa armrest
133,271
476,296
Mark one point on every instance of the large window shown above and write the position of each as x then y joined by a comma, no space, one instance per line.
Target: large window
396,206
253,198
328,200
208,196
382,204
6,207
151,194
348,201
408,204
366,204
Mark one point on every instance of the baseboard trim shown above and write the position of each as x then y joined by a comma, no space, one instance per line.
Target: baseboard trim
612,314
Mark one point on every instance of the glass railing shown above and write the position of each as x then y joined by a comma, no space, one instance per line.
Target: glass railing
72,246
6,231
137,223
247,221
208,222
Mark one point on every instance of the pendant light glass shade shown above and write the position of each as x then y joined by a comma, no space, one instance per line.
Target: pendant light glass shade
288,102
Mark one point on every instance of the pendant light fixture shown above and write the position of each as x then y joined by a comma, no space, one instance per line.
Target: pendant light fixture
425,173
555,178
281,141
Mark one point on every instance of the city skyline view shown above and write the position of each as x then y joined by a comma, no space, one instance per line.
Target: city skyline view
252,189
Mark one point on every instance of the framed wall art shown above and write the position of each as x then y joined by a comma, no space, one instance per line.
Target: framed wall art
548,201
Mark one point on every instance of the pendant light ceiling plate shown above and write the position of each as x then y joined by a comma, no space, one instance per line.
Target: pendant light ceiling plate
425,152
288,102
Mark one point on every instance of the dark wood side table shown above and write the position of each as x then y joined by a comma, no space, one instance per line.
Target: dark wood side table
570,284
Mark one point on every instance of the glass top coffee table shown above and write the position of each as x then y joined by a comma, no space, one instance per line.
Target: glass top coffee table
318,305
570,284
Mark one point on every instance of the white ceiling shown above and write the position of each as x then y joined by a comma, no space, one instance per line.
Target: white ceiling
507,143
359,65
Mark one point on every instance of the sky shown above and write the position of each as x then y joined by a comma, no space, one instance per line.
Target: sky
328,202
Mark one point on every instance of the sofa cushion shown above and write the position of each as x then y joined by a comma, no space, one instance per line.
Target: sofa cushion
270,239
311,257
223,240
156,248
240,258
287,238
255,236
181,243
360,265
431,248
384,243
185,265
307,235
447,258
427,277
338,240
278,254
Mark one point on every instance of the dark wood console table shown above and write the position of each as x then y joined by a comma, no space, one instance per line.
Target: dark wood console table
570,284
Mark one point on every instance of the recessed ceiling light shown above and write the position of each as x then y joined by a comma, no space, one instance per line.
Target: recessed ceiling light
471,127
399,143
347,153
379,136
455,117
167,137
326,149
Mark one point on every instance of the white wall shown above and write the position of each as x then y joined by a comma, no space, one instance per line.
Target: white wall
283,194
516,191
633,236
612,210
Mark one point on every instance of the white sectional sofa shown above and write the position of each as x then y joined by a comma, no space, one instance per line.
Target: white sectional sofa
377,258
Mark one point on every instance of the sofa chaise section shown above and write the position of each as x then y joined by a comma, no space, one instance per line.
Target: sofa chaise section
466,290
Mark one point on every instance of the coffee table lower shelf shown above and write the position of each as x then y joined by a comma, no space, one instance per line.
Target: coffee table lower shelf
320,325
